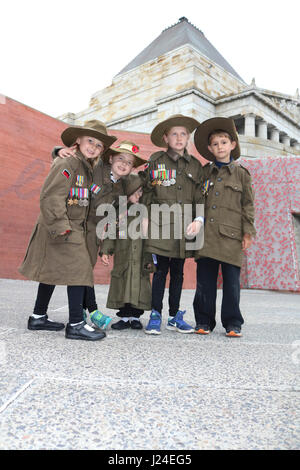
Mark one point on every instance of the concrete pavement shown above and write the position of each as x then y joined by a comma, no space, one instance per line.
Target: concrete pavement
134,391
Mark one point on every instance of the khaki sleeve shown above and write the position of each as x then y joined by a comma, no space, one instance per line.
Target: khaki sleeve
248,210
55,152
53,198
198,195
146,198
107,247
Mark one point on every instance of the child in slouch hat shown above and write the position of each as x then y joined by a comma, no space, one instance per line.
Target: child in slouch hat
229,226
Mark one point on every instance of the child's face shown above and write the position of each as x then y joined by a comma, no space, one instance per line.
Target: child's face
90,147
177,139
121,164
135,197
221,147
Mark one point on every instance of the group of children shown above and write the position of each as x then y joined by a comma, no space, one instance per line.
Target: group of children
88,172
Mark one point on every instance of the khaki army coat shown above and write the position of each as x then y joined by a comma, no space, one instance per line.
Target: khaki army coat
183,178
229,212
105,192
57,259
130,276
108,194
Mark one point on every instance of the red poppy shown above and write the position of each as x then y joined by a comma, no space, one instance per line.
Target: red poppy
135,149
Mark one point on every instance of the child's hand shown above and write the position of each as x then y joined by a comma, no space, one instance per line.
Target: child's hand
247,241
193,228
67,152
105,260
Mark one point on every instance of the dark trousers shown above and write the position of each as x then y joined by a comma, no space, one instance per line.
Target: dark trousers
206,294
129,311
75,300
164,264
89,299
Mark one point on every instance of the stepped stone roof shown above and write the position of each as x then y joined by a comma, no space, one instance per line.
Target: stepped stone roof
176,36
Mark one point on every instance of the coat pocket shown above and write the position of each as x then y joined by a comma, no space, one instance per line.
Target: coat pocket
73,237
233,195
76,212
231,232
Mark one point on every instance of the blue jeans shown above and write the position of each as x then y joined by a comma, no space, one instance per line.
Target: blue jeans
206,294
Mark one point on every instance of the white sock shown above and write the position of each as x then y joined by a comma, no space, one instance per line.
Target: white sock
134,318
38,316
125,319
75,324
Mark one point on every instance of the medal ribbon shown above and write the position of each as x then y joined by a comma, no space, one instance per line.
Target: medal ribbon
95,189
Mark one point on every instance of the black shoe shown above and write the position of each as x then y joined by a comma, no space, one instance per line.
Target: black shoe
136,325
80,332
43,323
121,325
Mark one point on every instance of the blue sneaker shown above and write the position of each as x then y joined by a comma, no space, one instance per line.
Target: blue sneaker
153,327
99,319
177,323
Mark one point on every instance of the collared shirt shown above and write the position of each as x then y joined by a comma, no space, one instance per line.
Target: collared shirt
175,156
113,179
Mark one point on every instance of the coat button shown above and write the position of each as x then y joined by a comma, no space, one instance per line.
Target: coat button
219,179
214,206
217,193
179,187
211,219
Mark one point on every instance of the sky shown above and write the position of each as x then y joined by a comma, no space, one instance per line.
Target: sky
56,54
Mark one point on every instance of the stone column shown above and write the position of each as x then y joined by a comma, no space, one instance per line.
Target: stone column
296,146
250,125
286,140
262,130
275,135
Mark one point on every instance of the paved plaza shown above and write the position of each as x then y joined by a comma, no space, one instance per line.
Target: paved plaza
134,391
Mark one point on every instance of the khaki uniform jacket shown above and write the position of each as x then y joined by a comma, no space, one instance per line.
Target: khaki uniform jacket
186,190
229,212
130,276
52,258
109,192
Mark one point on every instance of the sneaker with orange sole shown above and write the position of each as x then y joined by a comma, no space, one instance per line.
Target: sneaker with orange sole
233,332
202,329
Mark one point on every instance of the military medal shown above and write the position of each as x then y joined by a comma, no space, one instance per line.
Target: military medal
70,202
206,185
163,177
79,180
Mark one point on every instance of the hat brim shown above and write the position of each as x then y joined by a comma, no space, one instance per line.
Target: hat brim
138,161
183,121
207,127
133,188
70,135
